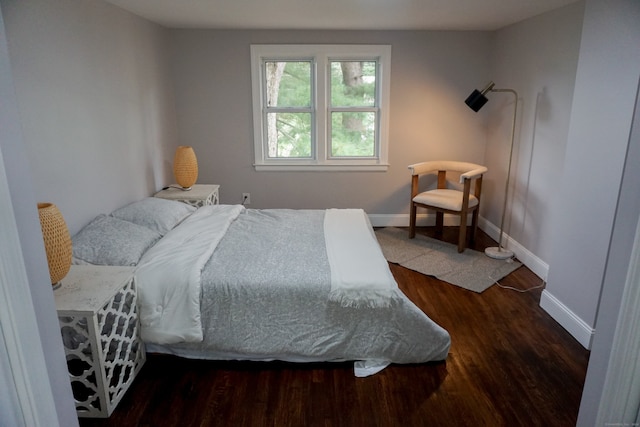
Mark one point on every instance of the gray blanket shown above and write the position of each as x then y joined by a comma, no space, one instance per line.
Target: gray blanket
265,297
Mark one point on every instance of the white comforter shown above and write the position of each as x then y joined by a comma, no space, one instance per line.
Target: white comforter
360,276
168,275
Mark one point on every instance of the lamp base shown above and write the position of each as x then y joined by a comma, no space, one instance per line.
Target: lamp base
179,187
498,253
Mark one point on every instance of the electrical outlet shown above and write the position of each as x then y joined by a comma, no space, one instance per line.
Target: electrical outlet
246,198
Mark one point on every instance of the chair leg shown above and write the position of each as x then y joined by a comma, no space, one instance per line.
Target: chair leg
439,223
462,238
412,221
474,226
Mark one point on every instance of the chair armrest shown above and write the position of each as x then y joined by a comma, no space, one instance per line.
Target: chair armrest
473,174
420,168
431,166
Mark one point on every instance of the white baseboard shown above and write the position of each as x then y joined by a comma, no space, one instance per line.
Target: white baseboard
528,258
580,330
382,220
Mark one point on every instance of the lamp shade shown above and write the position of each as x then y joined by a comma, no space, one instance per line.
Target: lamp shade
185,166
476,100
57,241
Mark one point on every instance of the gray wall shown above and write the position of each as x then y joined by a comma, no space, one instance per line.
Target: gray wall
601,117
618,268
538,59
94,120
432,73
96,103
605,142
52,388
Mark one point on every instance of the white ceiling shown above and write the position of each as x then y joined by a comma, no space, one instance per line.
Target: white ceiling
339,14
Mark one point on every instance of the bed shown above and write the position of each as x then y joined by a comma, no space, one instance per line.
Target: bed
224,282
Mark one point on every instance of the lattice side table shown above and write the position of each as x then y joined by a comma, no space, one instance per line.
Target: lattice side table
101,335
199,195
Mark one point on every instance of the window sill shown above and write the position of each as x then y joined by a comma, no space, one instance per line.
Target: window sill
320,168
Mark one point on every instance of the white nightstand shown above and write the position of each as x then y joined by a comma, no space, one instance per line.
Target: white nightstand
199,195
101,335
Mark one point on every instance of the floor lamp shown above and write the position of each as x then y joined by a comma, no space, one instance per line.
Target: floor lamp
475,101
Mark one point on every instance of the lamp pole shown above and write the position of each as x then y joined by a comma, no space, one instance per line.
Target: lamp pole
499,252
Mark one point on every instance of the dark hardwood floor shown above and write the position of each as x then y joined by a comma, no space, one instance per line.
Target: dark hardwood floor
510,364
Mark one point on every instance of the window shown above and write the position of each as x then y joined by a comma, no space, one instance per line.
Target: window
320,107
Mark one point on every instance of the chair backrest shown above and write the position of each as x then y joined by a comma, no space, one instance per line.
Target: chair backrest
466,169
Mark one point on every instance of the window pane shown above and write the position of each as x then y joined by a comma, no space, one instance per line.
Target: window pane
353,134
353,84
288,84
289,135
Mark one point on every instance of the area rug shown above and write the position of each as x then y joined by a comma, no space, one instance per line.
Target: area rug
470,269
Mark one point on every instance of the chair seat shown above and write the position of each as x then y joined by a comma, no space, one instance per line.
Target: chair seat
444,199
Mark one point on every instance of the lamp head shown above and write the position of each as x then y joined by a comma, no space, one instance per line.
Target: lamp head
477,99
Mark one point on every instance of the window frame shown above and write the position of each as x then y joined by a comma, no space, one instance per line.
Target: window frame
321,56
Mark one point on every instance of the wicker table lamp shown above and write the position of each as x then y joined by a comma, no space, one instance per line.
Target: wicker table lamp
57,242
185,167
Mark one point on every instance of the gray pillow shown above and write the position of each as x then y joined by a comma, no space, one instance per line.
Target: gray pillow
160,215
111,241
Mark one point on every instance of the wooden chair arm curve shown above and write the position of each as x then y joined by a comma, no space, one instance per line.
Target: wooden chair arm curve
473,174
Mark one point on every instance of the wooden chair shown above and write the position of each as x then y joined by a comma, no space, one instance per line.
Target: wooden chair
445,199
